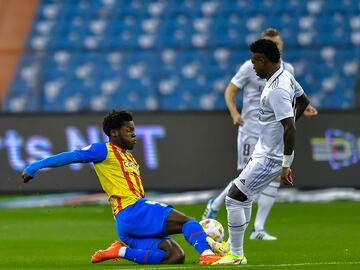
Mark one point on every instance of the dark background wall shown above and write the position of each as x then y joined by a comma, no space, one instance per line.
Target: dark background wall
177,151
357,89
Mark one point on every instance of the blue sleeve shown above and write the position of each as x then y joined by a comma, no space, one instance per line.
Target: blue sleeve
93,153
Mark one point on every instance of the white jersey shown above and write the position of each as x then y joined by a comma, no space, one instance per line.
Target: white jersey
247,80
277,103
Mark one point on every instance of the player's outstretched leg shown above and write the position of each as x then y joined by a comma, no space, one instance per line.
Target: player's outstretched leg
120,250
265,203
194,234
112,252
213,206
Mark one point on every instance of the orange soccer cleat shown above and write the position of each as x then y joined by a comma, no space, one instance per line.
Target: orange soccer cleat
209,259
111,252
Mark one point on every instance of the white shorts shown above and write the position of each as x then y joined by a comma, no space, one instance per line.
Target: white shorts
257,175
246,146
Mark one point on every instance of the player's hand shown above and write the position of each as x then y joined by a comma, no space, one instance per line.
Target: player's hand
237,120
25,177
287,176
310,111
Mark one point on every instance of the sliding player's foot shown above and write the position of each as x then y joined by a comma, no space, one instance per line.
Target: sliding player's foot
209,259
110,253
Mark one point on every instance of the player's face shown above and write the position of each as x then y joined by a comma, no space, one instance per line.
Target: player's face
124,136
258,62
277,40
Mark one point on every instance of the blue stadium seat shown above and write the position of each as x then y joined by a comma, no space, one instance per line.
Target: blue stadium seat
146,55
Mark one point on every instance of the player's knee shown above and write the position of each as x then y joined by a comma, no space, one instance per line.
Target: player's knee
175,254
236,194
178,257
181,257
174,258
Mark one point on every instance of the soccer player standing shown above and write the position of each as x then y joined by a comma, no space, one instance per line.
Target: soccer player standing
141,224
248,134
274,151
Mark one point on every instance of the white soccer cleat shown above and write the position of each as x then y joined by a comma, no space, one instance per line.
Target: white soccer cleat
209,212
261,235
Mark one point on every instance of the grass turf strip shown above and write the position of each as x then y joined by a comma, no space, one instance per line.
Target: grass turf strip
311,236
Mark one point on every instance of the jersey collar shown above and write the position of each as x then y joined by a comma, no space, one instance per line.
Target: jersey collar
117,147
276,74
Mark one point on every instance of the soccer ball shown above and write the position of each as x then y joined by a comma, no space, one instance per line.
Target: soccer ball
213,229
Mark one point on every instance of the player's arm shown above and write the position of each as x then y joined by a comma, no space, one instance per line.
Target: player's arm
301,100
302,103
281,102
239,81
289,144
310,111
96,152
230,99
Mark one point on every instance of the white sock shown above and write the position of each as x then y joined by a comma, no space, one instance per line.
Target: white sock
237,223
207,252
122,252
265,202
220,199
247,211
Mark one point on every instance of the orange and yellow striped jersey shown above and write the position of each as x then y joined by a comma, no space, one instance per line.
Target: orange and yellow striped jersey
116,169
119,175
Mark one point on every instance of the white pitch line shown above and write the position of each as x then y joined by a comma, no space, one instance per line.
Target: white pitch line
242,266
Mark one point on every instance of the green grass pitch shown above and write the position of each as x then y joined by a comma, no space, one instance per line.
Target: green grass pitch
311,236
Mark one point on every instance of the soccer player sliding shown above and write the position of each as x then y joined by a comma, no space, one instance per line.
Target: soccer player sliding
143,226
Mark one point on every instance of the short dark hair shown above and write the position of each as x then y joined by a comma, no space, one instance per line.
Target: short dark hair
270,32
115,119
266,47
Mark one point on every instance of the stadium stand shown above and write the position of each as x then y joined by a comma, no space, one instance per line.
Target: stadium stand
171,55
13,34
